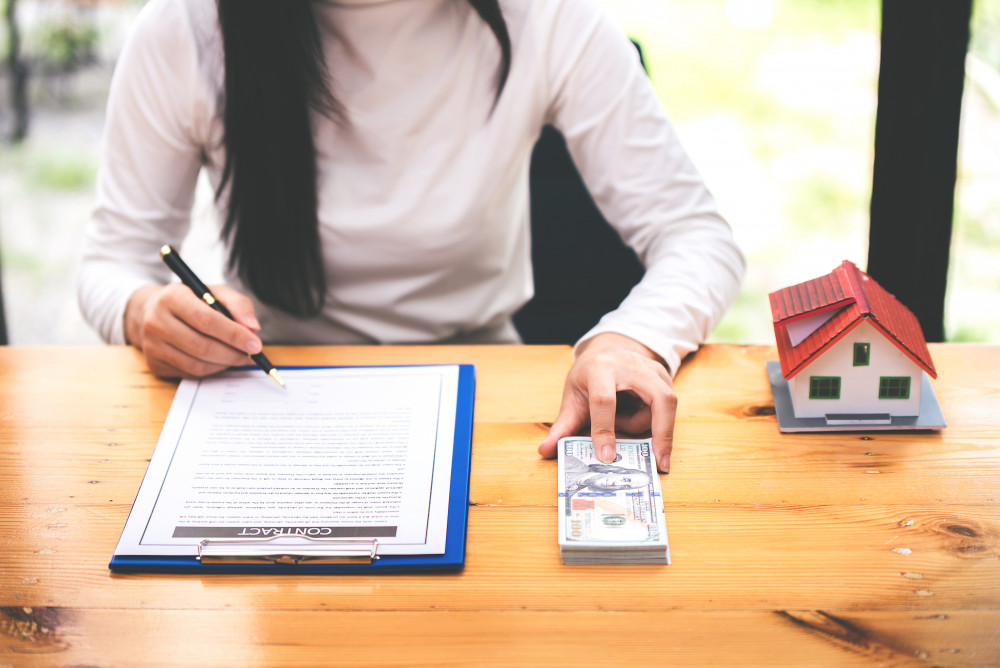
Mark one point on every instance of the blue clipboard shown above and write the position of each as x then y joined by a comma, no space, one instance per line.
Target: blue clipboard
452,559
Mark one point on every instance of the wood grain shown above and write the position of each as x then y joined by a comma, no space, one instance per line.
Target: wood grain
75,636
799,550
748,557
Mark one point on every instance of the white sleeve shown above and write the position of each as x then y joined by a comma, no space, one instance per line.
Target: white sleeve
149,166
645,185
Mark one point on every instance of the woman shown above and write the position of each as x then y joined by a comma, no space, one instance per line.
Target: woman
370,159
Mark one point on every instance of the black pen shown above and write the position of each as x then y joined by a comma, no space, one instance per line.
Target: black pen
188,278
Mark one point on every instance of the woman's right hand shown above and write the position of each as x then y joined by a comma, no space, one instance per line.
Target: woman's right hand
182,336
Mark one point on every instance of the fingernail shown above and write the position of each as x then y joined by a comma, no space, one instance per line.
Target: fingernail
607,454
665,463
253,323
253,346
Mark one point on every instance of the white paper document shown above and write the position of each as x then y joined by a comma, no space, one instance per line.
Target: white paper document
338,453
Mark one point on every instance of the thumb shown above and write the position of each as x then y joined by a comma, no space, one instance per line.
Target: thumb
572,417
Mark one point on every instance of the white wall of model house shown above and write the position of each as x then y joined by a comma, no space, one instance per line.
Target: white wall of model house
859,385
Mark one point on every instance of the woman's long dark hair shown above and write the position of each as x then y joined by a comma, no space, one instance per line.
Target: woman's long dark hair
276,76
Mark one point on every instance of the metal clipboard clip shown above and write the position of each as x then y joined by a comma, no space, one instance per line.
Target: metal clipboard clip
257,550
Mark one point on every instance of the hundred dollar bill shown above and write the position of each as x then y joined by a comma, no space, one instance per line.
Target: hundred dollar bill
610,513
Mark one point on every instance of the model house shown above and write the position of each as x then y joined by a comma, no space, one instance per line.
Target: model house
849,351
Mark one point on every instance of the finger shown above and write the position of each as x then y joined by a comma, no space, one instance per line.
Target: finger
180,365
166,361
168,332
170,343
664,409
162,369
571,419
239,305
655,390
602,396
207,323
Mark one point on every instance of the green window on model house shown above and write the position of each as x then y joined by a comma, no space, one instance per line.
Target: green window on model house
894,387
862,352
824,387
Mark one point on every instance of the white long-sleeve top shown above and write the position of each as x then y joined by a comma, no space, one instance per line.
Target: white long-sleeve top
423,192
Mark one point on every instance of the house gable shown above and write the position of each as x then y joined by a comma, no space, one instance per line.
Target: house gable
858,298
856,387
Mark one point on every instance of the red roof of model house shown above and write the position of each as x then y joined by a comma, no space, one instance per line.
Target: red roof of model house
810,317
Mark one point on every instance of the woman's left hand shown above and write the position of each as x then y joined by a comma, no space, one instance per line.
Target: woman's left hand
616,383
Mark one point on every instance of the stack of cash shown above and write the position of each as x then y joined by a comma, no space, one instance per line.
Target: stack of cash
610,513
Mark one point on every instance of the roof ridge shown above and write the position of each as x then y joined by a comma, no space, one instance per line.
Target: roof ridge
855,280
861,297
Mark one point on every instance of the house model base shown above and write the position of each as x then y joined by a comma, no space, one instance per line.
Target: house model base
930,417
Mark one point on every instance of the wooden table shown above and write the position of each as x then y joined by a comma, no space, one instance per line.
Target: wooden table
808,549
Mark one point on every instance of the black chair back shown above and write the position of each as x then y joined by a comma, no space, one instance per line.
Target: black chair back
582,267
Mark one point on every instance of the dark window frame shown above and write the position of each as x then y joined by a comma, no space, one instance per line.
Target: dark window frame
824,387
867,347
894,387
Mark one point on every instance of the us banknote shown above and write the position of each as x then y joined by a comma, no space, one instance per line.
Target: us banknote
610,513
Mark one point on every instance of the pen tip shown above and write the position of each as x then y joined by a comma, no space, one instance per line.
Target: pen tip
165,250
273,373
